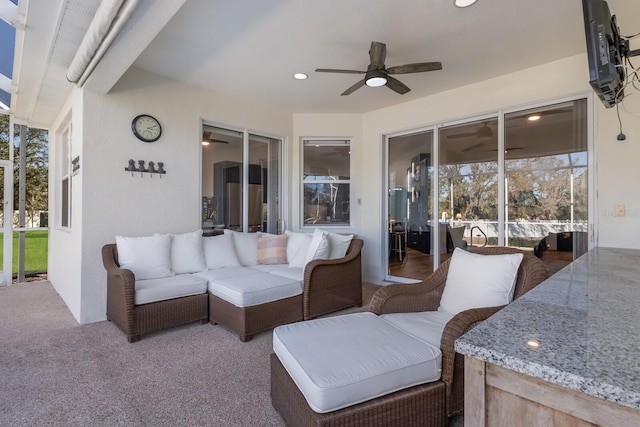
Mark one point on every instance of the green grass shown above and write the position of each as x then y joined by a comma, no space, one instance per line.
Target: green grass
35,258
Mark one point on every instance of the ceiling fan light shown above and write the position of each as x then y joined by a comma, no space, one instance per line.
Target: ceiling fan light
464,3
375,78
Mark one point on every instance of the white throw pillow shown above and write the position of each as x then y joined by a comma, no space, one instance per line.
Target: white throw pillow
147,257
246,245
187,255
319,247
297,247
219,252
338,244
476,280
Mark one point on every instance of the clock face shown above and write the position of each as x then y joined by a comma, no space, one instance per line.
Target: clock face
146,128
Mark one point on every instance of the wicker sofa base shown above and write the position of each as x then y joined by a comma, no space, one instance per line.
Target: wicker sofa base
422,405
155,316
247,321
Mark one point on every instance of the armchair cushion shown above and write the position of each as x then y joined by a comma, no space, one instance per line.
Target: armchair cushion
219,252
426,326
475,281
347,363
187,255
165,288
147,257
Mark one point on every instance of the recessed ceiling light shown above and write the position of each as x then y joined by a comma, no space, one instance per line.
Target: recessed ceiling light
205,143
533,343
533,117
464,3
300,76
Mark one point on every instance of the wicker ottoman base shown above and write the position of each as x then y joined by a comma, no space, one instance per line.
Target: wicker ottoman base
247,321
422,405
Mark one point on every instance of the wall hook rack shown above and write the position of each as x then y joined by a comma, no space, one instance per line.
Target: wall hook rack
151,169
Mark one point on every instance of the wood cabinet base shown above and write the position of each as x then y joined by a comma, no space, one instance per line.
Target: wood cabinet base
496,397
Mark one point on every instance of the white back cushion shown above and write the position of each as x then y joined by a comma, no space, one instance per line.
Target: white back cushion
319,246
297,248
147,257
338,245
219,252
246,245
476,280
187,255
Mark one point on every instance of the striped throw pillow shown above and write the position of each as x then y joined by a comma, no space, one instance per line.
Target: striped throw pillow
272,249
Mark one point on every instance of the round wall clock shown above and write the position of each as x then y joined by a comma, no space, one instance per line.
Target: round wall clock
146,128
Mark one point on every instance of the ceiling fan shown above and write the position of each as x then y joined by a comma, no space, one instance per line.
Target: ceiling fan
378,75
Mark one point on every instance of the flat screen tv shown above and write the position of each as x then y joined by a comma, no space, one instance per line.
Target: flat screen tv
606,51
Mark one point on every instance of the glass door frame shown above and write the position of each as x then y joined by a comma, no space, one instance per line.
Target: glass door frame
7,228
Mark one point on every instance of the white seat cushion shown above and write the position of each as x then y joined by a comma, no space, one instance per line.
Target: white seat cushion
254,289
283,270
181,285
344,360
426,326
226,272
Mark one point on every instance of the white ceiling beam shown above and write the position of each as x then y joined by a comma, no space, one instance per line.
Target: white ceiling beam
6,84
9,14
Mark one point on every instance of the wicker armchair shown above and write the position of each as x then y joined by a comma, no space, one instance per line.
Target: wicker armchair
426,404
137,320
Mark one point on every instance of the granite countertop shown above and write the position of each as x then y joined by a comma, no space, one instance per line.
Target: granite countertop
586,321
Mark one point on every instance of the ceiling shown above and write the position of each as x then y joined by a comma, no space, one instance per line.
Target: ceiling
251,49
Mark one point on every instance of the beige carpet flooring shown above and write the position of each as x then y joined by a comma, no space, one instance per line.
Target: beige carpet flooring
54,372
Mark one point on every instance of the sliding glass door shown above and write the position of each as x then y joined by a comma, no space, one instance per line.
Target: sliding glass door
469,184
241,181
517,178
410,223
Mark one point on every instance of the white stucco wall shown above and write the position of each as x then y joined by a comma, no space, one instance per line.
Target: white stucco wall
115,203
615,161
65,244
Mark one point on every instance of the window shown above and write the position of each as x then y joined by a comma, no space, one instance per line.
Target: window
65,179
326,182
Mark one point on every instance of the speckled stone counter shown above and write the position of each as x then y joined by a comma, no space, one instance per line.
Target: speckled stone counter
585,321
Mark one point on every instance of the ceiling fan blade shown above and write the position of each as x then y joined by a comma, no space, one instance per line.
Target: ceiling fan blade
418,67
353,88
377,54
331,70
397,86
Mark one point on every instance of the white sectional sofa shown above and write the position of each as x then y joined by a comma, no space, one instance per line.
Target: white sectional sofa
247,282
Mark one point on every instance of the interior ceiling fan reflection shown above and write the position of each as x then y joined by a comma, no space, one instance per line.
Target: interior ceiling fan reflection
483,132
208,137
